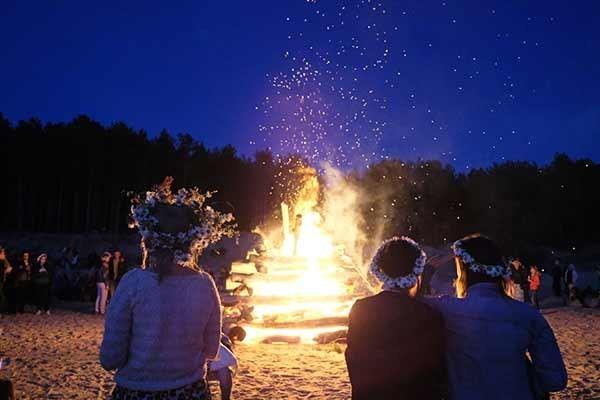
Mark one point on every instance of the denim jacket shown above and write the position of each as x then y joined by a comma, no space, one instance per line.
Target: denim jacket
488,335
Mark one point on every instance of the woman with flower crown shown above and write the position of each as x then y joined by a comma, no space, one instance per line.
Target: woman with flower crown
164,322
497,348
396,343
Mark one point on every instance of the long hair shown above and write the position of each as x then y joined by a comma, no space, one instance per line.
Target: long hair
163,262
484,251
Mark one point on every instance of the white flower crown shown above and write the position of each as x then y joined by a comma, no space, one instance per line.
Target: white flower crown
209,225
491,270
401,282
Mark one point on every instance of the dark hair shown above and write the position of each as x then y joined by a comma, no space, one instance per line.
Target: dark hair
171,219
237,333
398,258
484,251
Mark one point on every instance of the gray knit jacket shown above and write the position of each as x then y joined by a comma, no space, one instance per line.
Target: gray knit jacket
158,336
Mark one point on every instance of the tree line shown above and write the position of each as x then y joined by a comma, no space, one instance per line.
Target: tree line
73,177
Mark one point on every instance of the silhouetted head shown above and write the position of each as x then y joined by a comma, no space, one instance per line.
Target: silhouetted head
398,258
237,334
482,262
172,218
398,264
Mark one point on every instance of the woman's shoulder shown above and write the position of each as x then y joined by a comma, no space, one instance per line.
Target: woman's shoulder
386,299
440,302
133,275
524,310
203,277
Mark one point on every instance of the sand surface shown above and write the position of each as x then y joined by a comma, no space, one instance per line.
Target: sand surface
56,357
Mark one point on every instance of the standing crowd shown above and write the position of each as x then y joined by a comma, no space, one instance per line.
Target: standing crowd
524,283
29,282
107,276
25,282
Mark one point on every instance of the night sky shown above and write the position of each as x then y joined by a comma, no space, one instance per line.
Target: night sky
350,82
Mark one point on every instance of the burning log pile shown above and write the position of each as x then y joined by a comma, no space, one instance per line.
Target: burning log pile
295,299
300,290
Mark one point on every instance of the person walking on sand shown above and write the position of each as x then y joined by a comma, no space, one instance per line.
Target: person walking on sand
396,343
519,288
5,272
535,281
41,282
557,278
570,280
102,274
490,336
116,271
164,322
22,282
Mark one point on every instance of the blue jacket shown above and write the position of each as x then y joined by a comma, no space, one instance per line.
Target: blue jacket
488,335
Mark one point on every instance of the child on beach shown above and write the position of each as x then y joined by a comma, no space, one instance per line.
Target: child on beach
534,285
223,368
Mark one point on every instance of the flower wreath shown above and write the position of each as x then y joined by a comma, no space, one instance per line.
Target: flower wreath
491,270
401,282
209,225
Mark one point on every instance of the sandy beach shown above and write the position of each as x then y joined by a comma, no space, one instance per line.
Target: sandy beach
56,357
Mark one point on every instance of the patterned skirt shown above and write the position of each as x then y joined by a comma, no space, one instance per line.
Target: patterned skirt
194,391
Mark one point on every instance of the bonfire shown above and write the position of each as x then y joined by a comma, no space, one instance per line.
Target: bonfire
301,290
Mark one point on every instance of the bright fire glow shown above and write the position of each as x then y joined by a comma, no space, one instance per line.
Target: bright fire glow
306,290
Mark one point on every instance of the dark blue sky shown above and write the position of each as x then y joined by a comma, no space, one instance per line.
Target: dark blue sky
468,82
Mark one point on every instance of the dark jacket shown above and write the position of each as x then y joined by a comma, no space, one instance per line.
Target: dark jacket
22,275
520,276
41,275
4,266
102,274
120,270
395,349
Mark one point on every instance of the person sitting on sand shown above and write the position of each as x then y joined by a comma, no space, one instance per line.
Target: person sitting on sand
164,322
222,369
396,343
488,334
